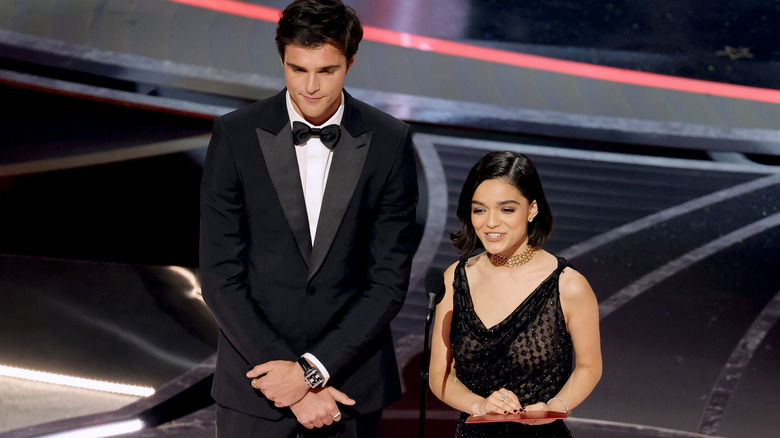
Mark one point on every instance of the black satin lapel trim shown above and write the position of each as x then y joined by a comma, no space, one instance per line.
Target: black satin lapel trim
349,157
279,154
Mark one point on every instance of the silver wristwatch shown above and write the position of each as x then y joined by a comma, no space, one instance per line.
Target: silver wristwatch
313,376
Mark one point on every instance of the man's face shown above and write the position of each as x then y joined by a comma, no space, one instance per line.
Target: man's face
315,78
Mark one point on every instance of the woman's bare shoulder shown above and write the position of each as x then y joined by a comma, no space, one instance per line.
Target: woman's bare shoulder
574,286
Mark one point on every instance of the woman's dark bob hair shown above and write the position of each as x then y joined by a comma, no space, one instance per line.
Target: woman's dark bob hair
315,23
517,170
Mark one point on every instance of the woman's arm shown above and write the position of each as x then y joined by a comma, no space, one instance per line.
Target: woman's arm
581,311
442,379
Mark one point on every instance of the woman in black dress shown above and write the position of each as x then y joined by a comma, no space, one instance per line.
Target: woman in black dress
514,316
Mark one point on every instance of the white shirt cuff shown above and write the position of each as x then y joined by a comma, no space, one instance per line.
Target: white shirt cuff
319,366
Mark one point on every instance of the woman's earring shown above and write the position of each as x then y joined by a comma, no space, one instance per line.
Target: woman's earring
530,220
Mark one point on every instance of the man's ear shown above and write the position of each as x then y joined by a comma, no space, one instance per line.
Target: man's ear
349,63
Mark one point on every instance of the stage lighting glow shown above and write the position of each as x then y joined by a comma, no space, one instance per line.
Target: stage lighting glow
103,430
75,382
191,278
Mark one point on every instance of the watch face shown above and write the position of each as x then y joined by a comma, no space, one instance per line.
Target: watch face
314,378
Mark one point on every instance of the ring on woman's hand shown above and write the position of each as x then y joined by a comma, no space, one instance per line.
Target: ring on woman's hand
503,397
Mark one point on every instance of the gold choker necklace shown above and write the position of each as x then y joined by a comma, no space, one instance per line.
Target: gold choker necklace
514,261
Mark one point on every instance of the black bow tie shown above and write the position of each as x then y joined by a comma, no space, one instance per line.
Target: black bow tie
328,135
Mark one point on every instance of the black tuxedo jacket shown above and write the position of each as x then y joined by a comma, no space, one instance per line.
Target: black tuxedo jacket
274,295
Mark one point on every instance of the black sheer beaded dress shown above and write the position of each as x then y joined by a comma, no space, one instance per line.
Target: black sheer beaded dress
529,353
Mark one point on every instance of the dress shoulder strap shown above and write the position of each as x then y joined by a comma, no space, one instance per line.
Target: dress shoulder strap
563,264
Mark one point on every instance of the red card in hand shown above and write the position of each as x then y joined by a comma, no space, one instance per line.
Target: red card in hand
522,417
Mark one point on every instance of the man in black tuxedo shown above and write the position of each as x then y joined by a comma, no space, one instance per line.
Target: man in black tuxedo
307,238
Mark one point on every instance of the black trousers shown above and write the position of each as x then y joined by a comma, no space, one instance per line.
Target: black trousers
234,424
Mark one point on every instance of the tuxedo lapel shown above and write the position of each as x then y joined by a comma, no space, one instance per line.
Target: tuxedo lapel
345,169
279,153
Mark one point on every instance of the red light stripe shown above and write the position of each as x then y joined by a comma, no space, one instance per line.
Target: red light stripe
515,59
234,7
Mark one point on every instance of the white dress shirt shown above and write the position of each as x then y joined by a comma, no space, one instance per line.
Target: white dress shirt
314,164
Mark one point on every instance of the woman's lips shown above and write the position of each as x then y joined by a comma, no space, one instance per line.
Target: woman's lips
494,237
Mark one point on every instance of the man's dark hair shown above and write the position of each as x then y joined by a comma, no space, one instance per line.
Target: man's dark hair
315,23
518,171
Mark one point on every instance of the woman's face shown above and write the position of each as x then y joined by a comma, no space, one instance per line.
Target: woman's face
500,214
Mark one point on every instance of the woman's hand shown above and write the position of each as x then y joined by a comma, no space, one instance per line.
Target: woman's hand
541,406
502,401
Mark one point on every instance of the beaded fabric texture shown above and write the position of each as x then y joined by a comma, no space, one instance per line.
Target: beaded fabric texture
530,353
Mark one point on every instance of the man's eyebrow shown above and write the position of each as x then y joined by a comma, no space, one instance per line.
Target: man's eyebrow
327,67
294,65
330,67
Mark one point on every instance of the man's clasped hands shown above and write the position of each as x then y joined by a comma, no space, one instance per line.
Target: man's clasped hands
283,383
